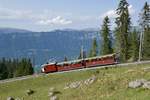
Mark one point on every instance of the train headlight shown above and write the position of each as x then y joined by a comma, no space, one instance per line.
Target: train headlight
43,70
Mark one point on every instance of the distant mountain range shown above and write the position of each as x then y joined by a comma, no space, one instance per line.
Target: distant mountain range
42,46
12,30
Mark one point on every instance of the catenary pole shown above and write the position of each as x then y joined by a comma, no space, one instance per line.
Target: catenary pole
140,48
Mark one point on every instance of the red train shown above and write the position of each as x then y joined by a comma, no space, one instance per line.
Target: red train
79,64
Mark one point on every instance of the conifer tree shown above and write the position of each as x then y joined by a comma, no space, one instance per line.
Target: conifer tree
122,30
93,51
10,68
106,47
30,69
24,68
134,45
145,27
82,54
3,69
65,59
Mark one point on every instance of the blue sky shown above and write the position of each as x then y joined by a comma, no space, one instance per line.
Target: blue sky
46,15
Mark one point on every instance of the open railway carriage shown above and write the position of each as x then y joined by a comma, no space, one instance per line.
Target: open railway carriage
79,64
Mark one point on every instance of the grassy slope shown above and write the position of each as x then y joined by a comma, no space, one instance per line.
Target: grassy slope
112,84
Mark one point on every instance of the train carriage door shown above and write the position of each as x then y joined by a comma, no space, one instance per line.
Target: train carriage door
83,62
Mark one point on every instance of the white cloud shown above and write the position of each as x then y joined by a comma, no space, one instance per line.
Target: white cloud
112,13
45,17
131,9
54,21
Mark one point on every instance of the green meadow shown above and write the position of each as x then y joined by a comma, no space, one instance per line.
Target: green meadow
111,84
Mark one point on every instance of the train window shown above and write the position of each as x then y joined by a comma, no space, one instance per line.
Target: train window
65,65
45,68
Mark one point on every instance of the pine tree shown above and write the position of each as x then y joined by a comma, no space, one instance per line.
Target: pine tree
134,45
3,69
122,30
65,59
145,17
24,68
93,51
145,27
106,47
10,68
29,67
20,70
82,54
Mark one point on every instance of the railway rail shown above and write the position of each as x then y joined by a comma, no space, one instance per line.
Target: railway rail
38,75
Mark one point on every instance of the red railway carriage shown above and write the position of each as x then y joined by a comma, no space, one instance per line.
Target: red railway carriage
100,60
50,67
78,64
69,65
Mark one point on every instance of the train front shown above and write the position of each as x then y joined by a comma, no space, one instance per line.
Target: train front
49,67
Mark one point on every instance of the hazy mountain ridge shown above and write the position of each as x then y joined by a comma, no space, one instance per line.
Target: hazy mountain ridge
44,45
12,30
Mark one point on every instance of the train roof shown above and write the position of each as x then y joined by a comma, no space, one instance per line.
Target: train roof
69,62
49,63
79,60
109,55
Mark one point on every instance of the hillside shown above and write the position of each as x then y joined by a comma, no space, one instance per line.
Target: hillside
57,44
108,84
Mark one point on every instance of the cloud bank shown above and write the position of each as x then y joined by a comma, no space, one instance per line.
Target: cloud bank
54,21
43,18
